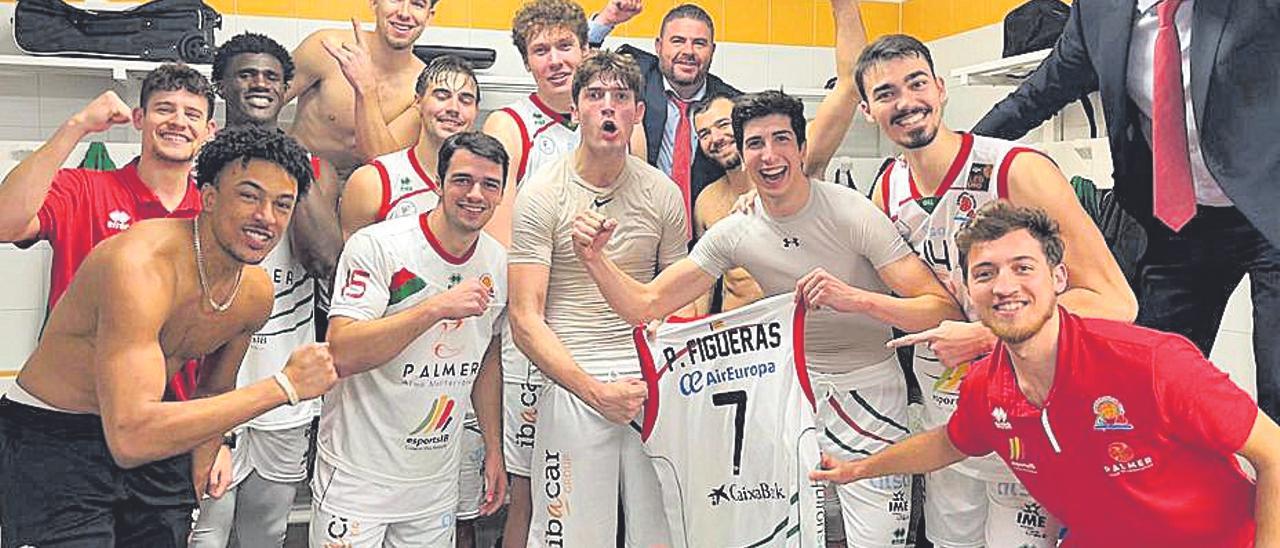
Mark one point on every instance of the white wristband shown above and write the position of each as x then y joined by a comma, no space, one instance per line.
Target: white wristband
287,386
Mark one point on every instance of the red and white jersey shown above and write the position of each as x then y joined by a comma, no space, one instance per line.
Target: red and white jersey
978,175
407,188
400,422
544,133
729,427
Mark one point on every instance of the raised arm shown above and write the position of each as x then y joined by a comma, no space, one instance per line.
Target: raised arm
1064,76
131,372
1095,285
375,136
501,126
835,113
27,185
636,303
361,199
314,233
309,57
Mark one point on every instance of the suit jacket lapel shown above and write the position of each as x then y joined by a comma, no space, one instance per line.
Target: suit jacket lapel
1114,28
1206,34
655,114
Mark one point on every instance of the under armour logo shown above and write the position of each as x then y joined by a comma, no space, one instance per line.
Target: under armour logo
791,242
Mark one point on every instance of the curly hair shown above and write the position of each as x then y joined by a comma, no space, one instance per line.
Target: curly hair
177,77
542,15
753,106
249,142
249,42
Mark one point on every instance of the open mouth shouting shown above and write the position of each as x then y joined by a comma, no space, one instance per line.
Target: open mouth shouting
773,175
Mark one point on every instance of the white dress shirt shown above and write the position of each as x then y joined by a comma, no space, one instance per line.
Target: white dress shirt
1142,47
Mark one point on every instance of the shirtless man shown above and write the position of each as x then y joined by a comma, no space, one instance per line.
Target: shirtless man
403,183
265,459
88,451
354,87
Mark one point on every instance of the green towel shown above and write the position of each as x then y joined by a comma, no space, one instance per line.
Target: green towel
97,158
1087,194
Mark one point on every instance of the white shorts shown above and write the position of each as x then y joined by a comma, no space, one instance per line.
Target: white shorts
962,512
581,461
856,423
330,530
519,423
422,511
471,470
276,455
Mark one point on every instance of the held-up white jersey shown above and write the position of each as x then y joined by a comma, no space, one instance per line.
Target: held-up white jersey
291,325
407,188
978,175
544,135
400,423
729,426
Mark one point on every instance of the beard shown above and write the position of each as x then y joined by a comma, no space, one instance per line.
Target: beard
920,138
1013,332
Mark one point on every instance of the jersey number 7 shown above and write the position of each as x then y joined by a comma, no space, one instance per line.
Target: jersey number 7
738,399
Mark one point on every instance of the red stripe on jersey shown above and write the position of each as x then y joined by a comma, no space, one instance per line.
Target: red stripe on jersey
650,376
440,250
1002,175
962,157
413,161
556,116
526,143
315,166
849,421
386,190
884,188
797,351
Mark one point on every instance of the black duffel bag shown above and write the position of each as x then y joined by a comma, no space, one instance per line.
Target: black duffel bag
161,30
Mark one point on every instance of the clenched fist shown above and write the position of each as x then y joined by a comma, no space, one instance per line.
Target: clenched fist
311,370
105,111
465,300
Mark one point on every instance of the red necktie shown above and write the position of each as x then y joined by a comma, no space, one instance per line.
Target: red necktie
1173,193
682,155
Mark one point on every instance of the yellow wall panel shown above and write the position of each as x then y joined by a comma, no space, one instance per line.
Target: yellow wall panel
268,8
457,13
881,18
339,10
746,21
646,24
791,22
824,29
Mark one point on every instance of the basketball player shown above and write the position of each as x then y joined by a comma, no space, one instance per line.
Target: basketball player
583,450
413,329
843,259
353,87
403,183
89,454
713,126
264,460
1128,434
930,192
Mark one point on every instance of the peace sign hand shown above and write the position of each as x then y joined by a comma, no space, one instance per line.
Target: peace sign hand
354,61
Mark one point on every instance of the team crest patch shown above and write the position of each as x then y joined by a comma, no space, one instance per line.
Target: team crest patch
928,203
1109,413
979,177
406,184
403,285
487,281
966,208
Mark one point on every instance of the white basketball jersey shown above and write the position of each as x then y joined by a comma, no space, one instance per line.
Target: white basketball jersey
729,427
544,133
978,175
291,325
407,188
402,421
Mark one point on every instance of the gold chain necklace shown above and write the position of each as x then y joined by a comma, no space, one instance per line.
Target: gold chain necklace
204,284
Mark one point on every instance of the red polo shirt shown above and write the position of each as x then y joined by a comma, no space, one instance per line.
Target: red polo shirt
85,207
1134,445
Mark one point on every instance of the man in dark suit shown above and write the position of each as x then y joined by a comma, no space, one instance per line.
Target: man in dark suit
675,78
1193,119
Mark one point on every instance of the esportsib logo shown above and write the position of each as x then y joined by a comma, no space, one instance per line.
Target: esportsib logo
439,418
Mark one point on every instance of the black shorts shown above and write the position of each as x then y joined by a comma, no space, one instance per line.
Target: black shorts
59,486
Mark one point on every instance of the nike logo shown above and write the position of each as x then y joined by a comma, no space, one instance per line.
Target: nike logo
601,202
